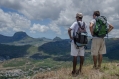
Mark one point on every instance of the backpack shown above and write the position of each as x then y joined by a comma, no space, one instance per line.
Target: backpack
80,39
100,29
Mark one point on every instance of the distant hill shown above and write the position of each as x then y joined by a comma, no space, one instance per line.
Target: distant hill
62,47
20,44
112,45
57,39
20,35
21,38
10,51
16,37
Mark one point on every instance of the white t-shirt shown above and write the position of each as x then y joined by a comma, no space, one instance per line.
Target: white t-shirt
75,26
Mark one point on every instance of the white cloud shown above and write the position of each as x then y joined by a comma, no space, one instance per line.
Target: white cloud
114,33
36,9
60,12
39,28
13,21
55,28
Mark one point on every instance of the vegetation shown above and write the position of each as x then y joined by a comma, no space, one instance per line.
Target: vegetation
8,51
52,58
56,47
107,71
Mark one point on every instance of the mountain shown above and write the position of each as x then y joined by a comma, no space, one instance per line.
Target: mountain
16,37
56,47
20,35
5,39
21,38
57,39
112,45
10,51
61,47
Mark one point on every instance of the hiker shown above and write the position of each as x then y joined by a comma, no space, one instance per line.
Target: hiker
98,47
74,51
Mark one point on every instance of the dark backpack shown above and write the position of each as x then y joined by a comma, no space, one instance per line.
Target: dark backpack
80,39
100,29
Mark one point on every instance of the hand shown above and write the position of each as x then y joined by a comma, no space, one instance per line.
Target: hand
71,38
92,34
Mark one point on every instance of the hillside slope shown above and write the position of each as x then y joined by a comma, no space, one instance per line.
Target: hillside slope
21,38
16,37
108,71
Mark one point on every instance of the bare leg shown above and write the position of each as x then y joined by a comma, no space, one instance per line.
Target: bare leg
99,60
81,63
74,64
95,61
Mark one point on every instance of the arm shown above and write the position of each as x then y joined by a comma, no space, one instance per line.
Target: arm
69,33
110,28
91,28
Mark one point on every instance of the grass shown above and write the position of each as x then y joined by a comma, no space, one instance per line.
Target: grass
28,63
107,71
14,63
32,50
62,69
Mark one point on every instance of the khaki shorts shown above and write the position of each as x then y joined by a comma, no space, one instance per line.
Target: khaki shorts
98,46
77,52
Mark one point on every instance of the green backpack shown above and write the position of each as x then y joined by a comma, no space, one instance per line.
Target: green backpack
100,29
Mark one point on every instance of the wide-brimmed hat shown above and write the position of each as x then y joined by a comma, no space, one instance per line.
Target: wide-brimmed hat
79,15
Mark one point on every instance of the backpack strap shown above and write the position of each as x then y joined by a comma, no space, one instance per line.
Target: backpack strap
83,26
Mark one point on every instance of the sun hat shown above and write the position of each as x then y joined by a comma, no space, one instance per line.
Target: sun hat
79,15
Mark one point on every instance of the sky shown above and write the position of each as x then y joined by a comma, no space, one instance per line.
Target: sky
51,18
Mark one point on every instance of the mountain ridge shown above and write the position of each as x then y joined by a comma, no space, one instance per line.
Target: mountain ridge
16,37
48,46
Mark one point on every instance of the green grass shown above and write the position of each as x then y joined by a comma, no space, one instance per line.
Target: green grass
14,63
32,50
28,63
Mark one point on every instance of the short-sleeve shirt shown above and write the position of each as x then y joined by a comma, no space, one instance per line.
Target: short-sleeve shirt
75,26
94,22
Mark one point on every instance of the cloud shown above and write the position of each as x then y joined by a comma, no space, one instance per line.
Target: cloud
114,33
39,28
55,28
61,12
36,9
13,21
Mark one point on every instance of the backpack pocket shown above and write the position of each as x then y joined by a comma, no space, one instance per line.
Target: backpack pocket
81,38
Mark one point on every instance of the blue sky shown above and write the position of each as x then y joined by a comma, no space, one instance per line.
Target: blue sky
51,18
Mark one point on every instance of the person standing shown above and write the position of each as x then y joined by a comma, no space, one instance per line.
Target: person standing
74,51
98,47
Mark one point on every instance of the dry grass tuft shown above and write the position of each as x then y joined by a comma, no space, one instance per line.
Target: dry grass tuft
107,71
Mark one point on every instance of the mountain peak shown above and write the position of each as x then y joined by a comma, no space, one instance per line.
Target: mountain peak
57,39
20,35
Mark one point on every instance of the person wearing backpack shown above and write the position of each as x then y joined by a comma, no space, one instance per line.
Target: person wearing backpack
99,28
76,51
